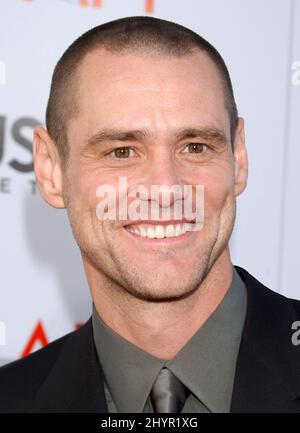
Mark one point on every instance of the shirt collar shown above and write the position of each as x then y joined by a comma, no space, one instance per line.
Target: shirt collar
206,364
212,352
129,372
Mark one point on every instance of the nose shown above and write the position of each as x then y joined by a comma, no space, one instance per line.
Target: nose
163,180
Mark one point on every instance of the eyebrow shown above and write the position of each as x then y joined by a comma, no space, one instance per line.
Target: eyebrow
110,135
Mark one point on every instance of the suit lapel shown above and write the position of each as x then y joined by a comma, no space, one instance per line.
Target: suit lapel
75,384
267,375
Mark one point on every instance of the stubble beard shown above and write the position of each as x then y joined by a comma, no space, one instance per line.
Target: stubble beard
123,276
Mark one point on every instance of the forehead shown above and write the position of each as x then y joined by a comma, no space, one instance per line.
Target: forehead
147,89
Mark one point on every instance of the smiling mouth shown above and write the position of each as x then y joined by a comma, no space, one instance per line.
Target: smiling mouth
161,231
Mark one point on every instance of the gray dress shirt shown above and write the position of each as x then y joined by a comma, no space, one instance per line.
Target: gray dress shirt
206,364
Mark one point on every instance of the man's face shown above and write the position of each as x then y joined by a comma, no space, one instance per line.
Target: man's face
163,98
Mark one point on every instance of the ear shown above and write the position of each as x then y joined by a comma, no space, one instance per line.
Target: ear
240,158
47,168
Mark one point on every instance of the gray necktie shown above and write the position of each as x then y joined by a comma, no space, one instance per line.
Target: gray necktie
168,394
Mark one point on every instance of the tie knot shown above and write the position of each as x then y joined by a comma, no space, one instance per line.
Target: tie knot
168,393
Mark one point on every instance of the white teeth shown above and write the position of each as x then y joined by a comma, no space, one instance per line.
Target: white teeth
160,231
186,227
178,230
170,230
150,233
143,232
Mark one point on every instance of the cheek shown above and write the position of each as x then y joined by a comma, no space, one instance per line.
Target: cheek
85,182
218,186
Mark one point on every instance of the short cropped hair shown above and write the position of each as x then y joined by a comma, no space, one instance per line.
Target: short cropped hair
137,33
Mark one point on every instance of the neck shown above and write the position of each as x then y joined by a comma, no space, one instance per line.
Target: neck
160,329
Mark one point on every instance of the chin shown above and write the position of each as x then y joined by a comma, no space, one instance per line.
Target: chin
163,291
161,296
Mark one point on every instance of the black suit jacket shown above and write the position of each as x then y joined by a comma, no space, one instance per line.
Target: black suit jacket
65,376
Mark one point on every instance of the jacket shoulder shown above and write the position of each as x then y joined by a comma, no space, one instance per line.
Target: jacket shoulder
296,305
21,379
266,293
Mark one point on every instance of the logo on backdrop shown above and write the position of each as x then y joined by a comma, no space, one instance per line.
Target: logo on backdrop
148,4
38,337
15,137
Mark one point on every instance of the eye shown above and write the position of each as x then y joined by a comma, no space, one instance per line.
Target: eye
195,147
122,152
